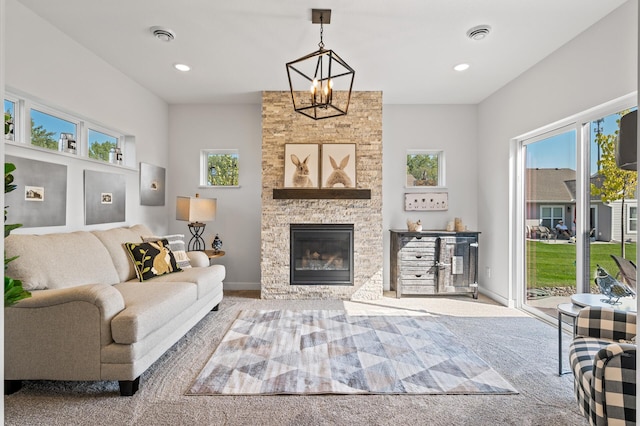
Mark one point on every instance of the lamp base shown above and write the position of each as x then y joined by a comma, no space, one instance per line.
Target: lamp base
196,243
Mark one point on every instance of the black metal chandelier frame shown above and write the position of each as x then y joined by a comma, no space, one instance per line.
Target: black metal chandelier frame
322,103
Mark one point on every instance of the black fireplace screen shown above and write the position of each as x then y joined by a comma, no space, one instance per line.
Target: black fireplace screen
321,254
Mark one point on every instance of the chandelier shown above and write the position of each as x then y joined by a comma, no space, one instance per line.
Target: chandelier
321,81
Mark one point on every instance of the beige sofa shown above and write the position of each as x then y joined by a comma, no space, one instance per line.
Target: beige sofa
89,317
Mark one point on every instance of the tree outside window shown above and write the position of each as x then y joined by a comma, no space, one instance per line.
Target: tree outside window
221,168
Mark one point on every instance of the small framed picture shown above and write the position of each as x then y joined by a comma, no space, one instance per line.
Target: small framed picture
301,165
34,193
106,198
425,168
339,165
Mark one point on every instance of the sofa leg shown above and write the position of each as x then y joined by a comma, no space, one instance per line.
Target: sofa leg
129,387
215,308
12,386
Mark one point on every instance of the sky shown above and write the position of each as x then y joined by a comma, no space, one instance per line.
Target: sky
560,151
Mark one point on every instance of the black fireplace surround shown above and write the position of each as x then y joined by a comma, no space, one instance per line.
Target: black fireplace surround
321,254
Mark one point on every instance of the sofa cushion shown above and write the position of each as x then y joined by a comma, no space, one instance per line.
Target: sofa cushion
114,239
177,247
59,260
207,279
152,259
148,307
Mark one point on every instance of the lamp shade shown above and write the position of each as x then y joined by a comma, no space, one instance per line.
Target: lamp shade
195,209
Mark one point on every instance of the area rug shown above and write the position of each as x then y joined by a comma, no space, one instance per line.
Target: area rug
330,352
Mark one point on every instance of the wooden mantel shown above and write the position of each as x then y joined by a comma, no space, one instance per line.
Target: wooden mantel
325,194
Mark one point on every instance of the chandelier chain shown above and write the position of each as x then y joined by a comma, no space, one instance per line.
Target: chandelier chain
321,44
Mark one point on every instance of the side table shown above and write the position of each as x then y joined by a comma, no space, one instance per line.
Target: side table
570,310
213,254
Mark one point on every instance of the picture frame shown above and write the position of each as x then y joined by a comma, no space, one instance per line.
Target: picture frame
152,185
425,169
339,165
301,165
105,197
40,198
34,193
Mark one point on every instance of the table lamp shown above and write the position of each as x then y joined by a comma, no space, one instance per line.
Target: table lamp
196,211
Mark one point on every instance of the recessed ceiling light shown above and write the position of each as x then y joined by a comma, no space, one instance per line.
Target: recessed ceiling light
479,32
461,67
163,34
182,67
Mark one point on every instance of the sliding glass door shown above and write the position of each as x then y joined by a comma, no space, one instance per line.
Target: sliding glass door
549,218
575,208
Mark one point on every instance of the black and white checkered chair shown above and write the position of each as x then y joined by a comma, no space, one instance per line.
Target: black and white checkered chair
604,365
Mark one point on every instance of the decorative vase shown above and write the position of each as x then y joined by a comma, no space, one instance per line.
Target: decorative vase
216,244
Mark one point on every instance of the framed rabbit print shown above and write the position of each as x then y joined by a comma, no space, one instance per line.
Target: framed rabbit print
301,168
338,165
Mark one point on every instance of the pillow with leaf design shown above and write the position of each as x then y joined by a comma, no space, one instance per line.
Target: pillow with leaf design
152,259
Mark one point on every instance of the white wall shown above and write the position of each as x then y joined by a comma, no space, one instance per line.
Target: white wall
43,62
597,66
196,127
451,128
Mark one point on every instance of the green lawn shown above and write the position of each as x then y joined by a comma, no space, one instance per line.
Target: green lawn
553,265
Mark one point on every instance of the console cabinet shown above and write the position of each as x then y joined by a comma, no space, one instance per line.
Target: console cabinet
434,262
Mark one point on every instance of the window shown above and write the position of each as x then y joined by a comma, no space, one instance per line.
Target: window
219,167
100,144
550,215
47,130
425,169
30,123
632,219
9,119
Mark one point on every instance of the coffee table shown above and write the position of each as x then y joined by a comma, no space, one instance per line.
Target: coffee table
627,304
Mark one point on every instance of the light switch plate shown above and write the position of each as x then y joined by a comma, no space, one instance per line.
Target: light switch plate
429,201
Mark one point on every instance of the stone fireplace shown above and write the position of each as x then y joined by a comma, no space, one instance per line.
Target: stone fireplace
362,126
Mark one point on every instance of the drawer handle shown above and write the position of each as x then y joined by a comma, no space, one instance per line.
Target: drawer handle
418,257
418,276
418,238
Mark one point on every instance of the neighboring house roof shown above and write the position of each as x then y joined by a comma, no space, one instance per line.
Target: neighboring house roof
551,185
557,186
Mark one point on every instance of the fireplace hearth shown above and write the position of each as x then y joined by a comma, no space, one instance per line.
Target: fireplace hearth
321,254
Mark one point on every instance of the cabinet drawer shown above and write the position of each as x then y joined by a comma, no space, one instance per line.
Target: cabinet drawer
416,253
407,242
423,266
418,289
417,279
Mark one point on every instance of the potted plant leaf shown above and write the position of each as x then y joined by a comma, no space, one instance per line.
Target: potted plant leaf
13,291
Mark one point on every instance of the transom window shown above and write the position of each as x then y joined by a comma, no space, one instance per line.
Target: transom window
100,144
34,124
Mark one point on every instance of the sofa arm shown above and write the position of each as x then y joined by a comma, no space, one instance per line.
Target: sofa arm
606,323
58,334
198,258
614,384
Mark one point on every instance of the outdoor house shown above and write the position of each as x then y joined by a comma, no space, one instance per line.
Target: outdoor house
555,195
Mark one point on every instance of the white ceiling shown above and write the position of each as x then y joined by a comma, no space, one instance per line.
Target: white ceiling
405,48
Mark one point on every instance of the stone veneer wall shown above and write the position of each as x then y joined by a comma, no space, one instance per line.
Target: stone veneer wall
363,126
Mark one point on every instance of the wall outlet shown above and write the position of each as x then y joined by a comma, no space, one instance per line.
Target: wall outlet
428,201
487,271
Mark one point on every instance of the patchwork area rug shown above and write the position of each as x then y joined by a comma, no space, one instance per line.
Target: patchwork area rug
330,352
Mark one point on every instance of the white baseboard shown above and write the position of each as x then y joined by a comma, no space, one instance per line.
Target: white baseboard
241,286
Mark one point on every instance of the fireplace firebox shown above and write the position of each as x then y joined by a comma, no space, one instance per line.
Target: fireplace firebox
321,254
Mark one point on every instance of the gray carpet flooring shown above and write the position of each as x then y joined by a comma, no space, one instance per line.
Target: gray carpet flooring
521,349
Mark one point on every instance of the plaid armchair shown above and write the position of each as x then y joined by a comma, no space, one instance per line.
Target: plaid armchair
604,368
